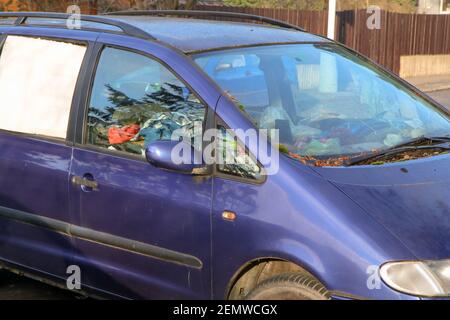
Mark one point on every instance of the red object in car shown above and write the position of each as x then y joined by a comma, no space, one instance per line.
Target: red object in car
121,135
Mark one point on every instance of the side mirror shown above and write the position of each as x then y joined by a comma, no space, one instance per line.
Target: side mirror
159,154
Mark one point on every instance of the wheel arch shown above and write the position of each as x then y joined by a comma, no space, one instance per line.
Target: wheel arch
253,272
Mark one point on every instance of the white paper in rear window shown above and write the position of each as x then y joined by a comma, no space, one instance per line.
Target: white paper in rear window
37,83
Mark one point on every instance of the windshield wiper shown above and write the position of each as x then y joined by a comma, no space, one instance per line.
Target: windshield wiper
422,142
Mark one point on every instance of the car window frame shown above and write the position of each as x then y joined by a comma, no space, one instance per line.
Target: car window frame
68,140
2,40
232,177
81,135
211,118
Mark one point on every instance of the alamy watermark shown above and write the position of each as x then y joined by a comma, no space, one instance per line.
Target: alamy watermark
374,20
74,20
73,281
373,279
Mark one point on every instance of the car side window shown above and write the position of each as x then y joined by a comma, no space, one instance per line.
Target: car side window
233,158
136,100
36,93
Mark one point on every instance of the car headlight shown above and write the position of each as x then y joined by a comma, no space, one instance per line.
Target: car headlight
419,278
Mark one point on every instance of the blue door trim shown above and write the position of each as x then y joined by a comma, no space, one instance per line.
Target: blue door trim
102,238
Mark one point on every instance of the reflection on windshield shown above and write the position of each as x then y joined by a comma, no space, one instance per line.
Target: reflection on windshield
327,104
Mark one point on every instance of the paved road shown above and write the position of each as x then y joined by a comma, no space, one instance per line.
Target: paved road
442,97
14,287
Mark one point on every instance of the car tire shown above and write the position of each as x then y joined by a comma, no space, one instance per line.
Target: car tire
289,286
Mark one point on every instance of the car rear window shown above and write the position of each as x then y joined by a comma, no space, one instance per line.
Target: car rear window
36,94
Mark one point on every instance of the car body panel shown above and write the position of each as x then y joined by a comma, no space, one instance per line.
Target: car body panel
409,198
34,177
51,33
190,35
139,202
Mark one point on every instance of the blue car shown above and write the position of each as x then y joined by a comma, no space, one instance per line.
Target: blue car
357,205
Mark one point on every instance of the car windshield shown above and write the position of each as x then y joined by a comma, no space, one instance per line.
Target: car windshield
327,102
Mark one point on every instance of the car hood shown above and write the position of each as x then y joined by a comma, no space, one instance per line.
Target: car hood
411,199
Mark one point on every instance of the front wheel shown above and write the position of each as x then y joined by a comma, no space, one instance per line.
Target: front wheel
290,286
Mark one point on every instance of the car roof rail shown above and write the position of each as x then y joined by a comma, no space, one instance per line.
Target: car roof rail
125,28
208,14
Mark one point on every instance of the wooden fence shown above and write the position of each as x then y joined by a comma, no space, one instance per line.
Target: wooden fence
400,35
86,6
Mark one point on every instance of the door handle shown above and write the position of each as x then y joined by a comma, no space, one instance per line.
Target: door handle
85,182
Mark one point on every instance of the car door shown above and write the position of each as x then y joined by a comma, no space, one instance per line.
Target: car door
36,96
143,232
